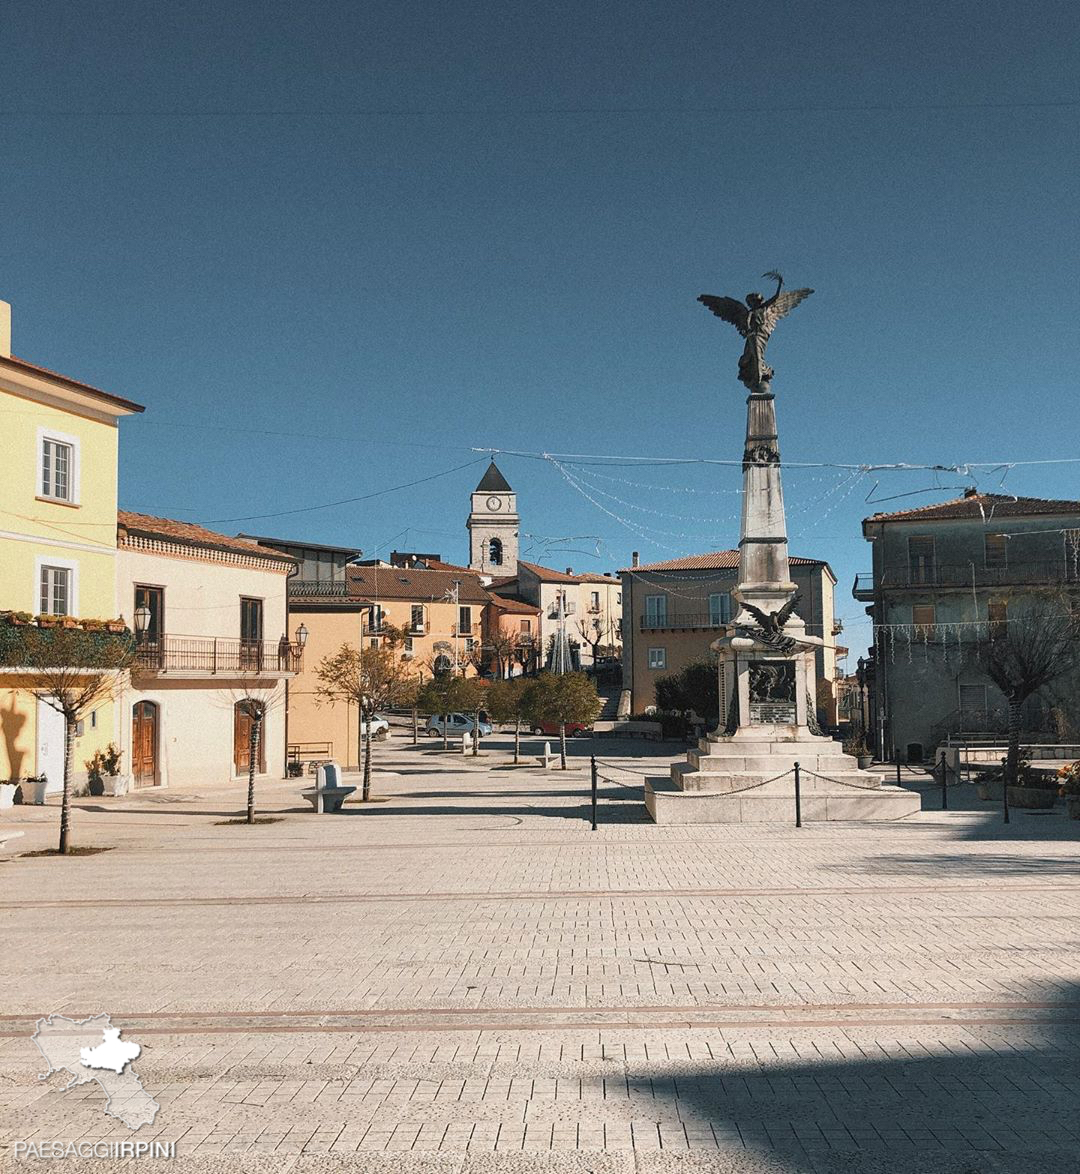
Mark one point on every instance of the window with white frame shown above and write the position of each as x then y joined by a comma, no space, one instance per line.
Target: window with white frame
58,467
55,591
656,611
658,658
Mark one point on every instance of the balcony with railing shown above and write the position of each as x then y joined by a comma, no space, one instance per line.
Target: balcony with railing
318,588
923,575
216,656
681,621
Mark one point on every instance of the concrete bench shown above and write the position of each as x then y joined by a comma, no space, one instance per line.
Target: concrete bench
547,758
328,794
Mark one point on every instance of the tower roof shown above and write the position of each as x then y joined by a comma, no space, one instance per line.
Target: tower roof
493,481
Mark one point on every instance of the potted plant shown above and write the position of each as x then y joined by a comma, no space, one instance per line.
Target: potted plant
103,772
93,774
1070,787
856,746
68,622
47,621
116,625
92,625
1032,790
20,618
7,792
33,789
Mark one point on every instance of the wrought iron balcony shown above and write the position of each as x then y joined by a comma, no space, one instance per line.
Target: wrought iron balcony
863,588
681,621
217,656
318,588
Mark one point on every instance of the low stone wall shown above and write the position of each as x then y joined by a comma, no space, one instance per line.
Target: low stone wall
629,729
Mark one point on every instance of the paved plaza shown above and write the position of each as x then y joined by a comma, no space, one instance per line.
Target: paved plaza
466,978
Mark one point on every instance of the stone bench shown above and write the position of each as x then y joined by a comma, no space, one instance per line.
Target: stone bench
547,758
328,794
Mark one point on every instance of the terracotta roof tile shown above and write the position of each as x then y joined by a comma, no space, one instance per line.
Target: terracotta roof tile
981,506
76,383
714,561
515,606
548,575
193,535
413,583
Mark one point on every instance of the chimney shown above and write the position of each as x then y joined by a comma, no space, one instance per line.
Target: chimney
569,570
634,558
5,330
971,491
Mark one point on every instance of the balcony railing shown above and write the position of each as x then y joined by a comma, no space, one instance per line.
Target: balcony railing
681,621
319,588
217,655
967,575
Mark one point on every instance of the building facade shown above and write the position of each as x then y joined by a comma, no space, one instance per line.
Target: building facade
211,621
672,610
590,606
944,578
445,616
59,445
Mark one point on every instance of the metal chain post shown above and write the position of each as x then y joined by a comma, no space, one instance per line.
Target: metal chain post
593,762
798,799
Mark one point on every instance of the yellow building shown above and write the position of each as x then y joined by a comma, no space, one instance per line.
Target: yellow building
58,485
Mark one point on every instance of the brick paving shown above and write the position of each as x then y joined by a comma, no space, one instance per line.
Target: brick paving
466,978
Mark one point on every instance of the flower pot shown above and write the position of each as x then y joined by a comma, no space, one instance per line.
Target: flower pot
117,785
1032,798
7,794
96,787
866,761
33,791
115,626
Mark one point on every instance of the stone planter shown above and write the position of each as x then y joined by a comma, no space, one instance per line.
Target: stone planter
1072,802
990,790
1032,798
7,794
117,785
33,791
866,761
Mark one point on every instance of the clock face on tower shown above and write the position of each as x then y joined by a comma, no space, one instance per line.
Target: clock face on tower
494,503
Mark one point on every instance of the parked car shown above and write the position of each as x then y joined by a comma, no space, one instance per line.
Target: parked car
380,727
573,729
456,723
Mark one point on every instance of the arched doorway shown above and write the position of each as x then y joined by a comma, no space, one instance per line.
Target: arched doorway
144,743
243,719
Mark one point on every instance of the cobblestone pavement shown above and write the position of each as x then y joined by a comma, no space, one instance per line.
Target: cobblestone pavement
465,978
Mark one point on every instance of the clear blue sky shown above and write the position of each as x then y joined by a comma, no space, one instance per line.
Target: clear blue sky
332,246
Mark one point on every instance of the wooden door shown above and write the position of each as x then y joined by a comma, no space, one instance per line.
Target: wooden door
144,742
242,721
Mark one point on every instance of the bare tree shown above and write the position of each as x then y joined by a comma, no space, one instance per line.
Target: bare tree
372,678
501,646
1034,647
73,671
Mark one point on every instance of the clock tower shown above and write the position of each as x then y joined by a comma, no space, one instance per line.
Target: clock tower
493,526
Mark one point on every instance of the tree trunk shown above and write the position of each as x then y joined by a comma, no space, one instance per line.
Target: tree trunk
562,743
253,750
415,733
360,735
476,733
365,793
445,743
517,739
1012,763
65,802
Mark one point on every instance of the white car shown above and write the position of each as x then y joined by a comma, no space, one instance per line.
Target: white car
456,723
380,727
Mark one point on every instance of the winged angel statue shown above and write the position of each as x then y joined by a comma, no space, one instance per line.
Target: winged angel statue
769,628
755,321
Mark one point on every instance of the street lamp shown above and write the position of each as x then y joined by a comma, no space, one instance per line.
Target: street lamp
301,636
142,620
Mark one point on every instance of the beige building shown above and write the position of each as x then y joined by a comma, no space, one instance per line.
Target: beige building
672,610
210,615
592,606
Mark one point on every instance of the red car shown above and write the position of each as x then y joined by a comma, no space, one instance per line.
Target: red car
573,729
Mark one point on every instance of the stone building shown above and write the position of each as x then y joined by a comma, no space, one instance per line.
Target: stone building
944,576
493,526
